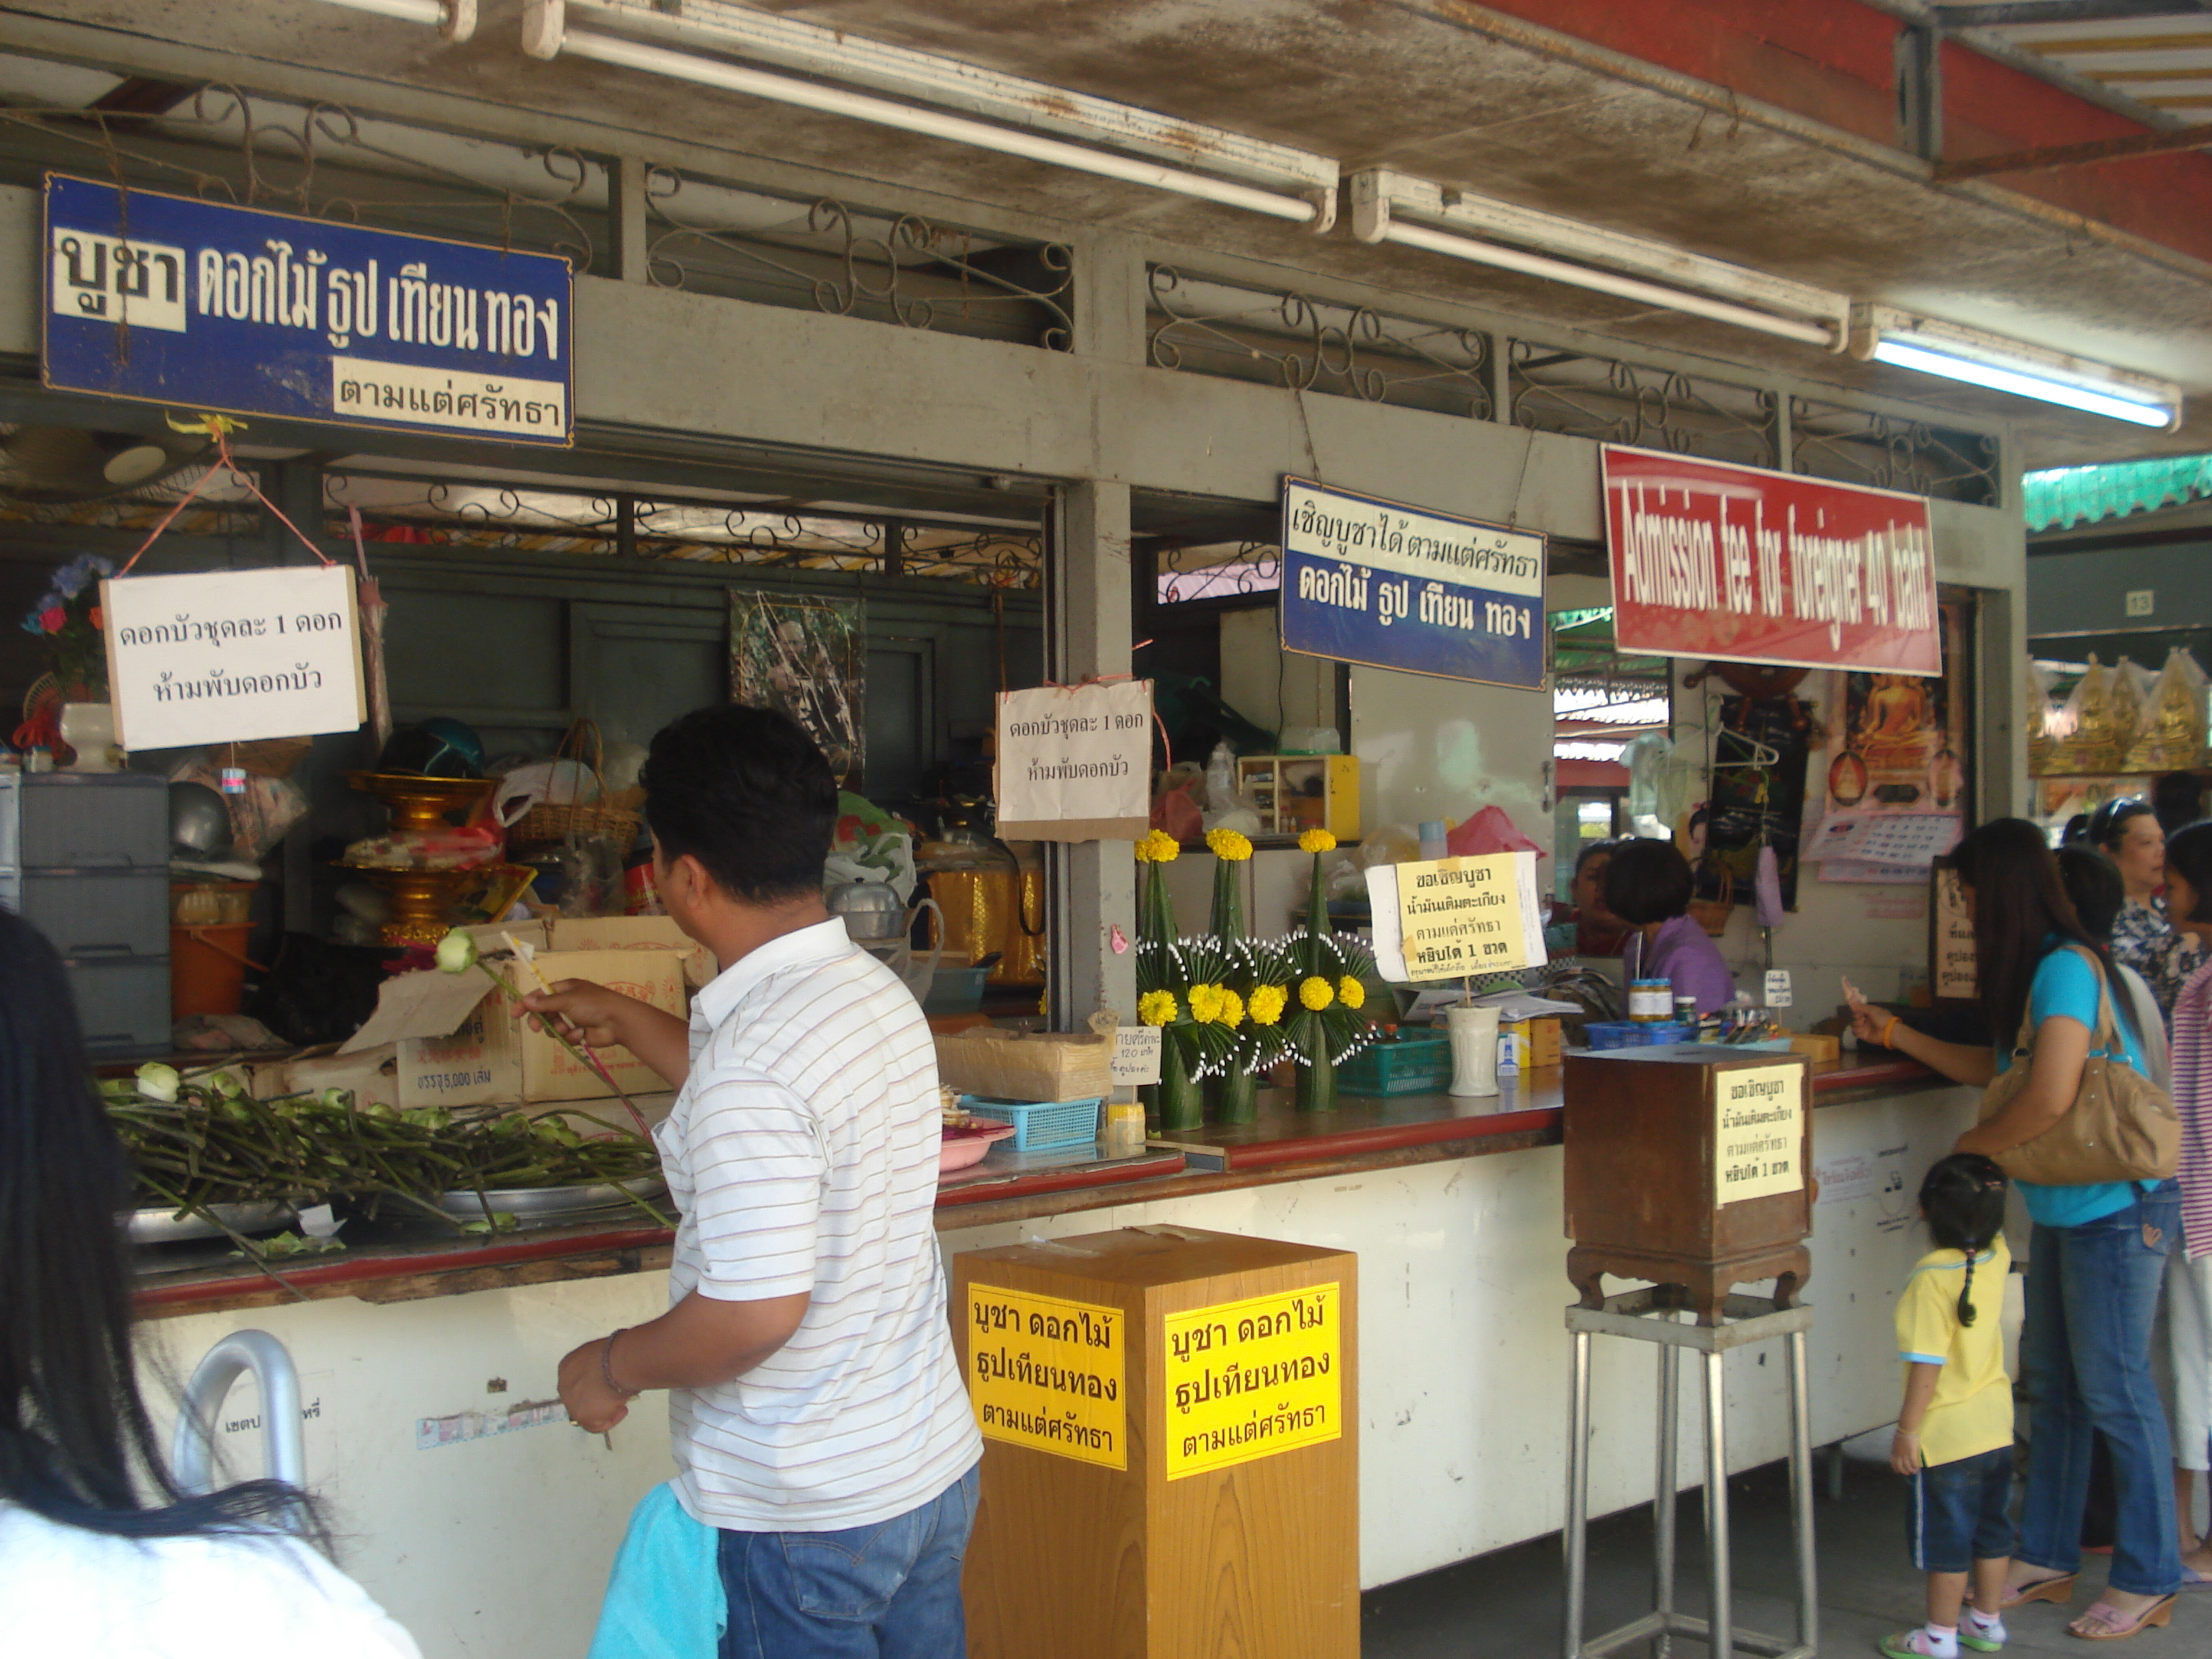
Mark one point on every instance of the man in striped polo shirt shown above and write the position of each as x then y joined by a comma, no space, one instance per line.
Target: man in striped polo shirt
815,1407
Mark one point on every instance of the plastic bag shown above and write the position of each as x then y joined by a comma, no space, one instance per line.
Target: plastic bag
1176,813
1225,809
1489,830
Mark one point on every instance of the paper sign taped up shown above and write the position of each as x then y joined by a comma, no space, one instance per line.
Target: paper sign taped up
1759,1138
1049,1374
1075,762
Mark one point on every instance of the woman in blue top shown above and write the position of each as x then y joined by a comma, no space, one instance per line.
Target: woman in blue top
2098,1253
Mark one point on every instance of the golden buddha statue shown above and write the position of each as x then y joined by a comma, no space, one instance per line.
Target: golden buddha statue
2171,737
2093,745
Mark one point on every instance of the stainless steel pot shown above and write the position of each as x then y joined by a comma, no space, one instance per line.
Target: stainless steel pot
870,911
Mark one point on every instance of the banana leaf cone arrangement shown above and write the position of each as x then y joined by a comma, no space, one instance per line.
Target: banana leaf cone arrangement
1233,1095
1326,978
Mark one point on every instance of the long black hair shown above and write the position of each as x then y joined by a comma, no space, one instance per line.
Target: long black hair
1963,1199
2021,908
75,1443
2093,883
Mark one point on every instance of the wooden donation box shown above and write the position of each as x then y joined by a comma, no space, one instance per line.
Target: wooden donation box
1170,1464
1688,1166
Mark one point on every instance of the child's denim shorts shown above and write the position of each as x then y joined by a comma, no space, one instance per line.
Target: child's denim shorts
1960,1512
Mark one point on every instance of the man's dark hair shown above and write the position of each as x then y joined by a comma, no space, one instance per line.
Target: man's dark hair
2179,799
1647,881
746,792
2093,882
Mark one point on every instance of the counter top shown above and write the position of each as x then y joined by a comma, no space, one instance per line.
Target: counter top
1364,1132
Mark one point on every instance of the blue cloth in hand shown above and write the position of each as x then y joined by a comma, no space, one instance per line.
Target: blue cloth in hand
665,1597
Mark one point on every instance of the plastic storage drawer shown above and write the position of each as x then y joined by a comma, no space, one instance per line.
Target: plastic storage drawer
123,1006
102,915
95,820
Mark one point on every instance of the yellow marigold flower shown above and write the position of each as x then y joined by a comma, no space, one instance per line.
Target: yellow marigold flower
1157,1007
1205,1003
1317,841
1232,1009
1351,993
1315,992
1267,1004
1229,845
1157,847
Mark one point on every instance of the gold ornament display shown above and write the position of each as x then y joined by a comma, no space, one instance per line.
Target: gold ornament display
2170,735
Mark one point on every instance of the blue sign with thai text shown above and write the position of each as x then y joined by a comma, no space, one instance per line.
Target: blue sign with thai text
205,306
1378,582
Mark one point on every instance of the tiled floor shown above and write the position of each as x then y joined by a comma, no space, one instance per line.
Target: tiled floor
1506,1606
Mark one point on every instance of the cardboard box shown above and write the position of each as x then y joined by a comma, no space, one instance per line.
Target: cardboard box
373,1075
633,934
1026,1065
1535,1041
457,1041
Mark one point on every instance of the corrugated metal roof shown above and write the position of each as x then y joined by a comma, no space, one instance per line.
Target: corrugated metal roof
2163,62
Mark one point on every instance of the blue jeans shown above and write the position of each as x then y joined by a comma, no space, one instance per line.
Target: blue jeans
2092,1291
889,1591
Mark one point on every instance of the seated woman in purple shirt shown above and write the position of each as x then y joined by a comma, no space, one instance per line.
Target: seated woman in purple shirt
1648,885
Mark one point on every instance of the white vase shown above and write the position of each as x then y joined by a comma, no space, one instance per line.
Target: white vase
89,728
1474,1034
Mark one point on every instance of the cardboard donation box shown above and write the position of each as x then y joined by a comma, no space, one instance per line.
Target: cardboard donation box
1170,1466
458,1044
1689,1167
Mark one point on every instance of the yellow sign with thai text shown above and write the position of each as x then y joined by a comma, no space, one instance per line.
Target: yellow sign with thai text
1049,1374
1463,917
1249,1379
1760,1133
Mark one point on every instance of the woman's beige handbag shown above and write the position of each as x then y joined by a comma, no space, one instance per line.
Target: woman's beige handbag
2121,1126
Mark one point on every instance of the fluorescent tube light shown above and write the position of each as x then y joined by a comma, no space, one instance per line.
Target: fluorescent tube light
1386,203
1886,335
545,34
454,19
732,29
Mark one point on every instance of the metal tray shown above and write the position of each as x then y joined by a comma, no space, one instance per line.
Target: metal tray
163,1226
542,1204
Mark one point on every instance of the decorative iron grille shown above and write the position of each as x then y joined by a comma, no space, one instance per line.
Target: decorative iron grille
1854,445
1203,326
504,519
323,162
826,255
1222,571
1605,398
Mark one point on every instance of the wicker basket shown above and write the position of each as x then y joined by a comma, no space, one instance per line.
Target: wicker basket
608,816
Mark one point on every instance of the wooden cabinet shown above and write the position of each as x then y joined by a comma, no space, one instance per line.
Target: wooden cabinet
1689,1167
1171,1464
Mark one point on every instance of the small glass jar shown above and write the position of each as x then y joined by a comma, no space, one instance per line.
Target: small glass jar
1651,1001
1685,1010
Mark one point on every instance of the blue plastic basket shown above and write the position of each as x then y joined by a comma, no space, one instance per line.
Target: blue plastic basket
1041,1125
1409,1065
1636,1034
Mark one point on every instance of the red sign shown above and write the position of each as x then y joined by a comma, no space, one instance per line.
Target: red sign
1711,560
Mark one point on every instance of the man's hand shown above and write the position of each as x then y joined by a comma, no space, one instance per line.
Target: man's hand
601,1015
584,1389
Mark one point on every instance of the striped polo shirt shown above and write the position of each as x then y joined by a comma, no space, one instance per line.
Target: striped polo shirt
802,1153
2192,1098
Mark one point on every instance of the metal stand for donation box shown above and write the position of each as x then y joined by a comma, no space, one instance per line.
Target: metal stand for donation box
1649,1315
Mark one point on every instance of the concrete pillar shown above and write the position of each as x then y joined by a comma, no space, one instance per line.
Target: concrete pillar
1093,884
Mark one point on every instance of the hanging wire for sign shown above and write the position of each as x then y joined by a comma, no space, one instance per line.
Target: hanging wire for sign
219,427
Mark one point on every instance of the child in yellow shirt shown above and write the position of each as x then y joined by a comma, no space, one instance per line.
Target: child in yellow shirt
1954,1430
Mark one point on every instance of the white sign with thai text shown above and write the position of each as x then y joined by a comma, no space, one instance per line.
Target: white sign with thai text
1759,1138
1075,762
229,656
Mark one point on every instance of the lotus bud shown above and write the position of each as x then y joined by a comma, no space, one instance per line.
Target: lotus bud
457,952
159,1082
